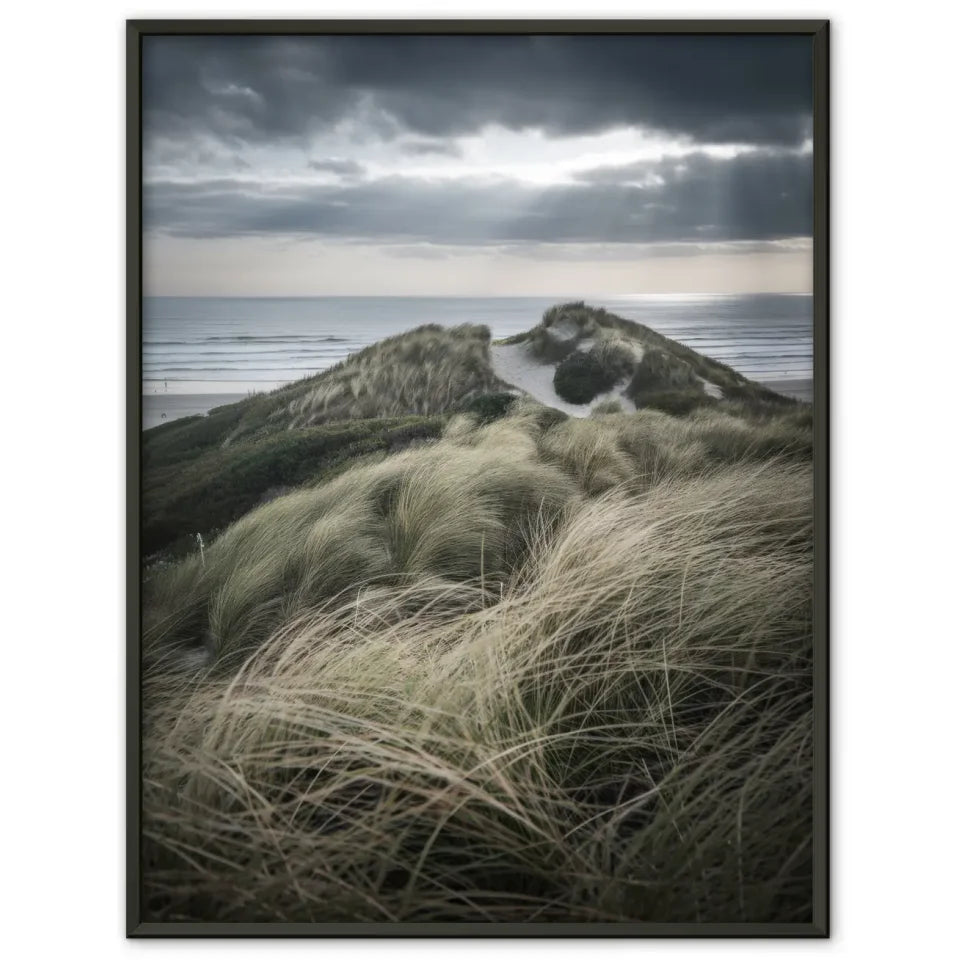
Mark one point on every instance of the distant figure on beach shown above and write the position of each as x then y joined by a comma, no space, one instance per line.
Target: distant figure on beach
163,416
164,386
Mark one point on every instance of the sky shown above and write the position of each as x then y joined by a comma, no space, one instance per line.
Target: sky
477,166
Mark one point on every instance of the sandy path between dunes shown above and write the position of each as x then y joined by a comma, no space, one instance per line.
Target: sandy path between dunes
512,364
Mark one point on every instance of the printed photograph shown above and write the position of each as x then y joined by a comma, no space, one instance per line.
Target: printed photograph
477,472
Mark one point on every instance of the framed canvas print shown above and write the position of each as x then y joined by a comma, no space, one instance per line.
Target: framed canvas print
477,439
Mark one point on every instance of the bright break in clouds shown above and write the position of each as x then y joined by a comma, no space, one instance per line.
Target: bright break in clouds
476,165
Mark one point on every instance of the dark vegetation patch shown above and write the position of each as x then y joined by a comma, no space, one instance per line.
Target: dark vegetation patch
801,416
211,487
580,377
678,403
189,437
577,313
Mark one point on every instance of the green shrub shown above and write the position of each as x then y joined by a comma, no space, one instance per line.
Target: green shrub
580,377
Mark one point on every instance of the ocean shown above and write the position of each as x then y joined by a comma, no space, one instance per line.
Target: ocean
199,352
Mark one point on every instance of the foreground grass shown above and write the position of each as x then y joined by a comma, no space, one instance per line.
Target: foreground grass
537,670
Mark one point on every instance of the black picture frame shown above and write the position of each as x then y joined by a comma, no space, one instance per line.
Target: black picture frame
819,32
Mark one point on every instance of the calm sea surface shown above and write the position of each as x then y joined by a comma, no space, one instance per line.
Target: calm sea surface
225,345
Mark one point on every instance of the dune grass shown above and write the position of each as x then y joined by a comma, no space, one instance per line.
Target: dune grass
668,370
201,473
432,370
458,509
678,402
658,371
424,371
430,510
517,667
623,733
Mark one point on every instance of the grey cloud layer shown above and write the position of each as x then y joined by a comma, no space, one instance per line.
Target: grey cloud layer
347,168
763,195
259,89
423,148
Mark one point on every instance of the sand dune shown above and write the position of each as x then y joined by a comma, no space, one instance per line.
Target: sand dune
513,364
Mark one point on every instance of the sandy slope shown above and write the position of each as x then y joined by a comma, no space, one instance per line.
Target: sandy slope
711,389
512,364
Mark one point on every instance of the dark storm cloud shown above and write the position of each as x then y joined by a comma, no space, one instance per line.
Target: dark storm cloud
765,195
754,89
348,168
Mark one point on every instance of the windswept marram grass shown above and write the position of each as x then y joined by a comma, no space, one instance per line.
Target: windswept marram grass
620,731
450,508
425,371
457,509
